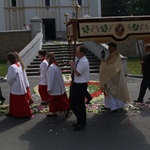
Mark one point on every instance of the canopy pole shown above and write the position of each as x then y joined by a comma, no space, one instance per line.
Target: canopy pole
140,55
75,35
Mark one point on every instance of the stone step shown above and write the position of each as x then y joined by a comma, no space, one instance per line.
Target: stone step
63,56
65,59
64,63
36,67
35,73
58,46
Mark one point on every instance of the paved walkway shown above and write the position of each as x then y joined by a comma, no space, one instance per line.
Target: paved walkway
126,130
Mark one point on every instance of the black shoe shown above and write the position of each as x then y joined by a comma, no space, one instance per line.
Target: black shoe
137,101
74,124
45,102
79,127
51,115
87,102
67,112
2,100
105,108
8,114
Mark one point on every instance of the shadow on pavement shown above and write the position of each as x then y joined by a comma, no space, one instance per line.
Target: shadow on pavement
104,131
9,123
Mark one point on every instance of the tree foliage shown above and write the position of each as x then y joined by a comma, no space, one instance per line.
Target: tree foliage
125,7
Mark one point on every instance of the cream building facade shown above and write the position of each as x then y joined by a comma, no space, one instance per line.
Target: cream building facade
16,13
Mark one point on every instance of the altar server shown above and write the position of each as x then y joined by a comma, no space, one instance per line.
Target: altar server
18,105
56,88
42,87
25,78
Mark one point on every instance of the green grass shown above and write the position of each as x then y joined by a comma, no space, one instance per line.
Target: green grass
133,66
3,68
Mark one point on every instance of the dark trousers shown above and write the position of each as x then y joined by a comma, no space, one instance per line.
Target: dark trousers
0,91
88,96
1,96
144,85
77,101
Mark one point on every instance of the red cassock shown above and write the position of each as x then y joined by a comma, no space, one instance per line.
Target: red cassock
28,93
19,106
58,103
42,89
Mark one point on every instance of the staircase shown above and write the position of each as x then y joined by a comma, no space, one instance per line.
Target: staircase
62,56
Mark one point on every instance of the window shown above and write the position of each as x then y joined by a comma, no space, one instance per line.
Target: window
80,2
13,2
47,2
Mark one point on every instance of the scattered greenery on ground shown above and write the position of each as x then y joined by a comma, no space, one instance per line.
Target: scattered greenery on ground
96,105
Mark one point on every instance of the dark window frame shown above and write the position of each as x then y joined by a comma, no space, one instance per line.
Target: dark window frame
80,2
47,2
13,3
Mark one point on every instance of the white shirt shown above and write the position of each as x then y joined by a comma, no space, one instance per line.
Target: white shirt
83,68
15,80
43,71
55,83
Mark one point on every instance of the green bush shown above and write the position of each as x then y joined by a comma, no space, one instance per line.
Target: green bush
133,66
3,68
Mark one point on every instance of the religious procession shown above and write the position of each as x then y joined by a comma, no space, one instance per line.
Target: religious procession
66,76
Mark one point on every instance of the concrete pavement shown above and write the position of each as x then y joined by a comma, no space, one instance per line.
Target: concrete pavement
125,130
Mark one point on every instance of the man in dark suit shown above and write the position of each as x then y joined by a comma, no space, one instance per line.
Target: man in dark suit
146,74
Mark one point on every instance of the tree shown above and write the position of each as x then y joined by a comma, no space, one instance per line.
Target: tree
138,7
125,7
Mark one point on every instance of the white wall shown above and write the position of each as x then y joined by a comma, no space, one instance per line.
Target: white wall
65,2
29,14
94,6
30,2
2,17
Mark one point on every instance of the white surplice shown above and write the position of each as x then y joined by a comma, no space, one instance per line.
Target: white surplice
55,83
26,81
16,80
43,71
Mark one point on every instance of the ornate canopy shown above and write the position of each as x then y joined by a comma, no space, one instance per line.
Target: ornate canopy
105,29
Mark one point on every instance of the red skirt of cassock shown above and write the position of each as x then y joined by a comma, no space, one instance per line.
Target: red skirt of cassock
43,92
58,103
28,93
19,106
